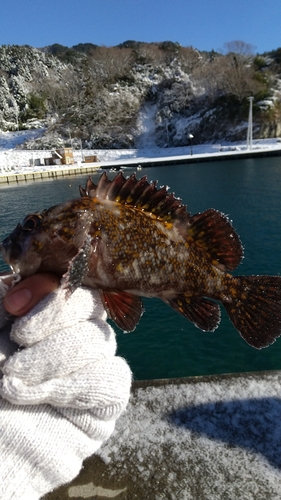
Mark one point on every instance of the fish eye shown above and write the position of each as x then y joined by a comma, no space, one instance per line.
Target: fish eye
31,222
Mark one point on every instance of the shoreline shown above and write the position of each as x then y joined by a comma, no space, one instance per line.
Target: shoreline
233,152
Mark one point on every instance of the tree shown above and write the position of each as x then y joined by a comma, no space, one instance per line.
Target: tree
238,72
239,48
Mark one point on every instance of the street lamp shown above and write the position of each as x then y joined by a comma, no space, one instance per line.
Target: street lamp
190,137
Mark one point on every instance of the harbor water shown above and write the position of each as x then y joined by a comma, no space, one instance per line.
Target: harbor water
165,344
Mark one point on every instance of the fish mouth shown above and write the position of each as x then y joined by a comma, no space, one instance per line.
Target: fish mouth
15,267
10,250
13,256
10,255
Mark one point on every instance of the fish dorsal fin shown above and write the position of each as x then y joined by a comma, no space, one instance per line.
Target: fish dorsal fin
213,232
139,194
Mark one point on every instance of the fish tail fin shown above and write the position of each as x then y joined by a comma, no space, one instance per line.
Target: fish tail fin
254,307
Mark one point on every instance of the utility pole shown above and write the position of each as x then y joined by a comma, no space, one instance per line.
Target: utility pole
70,138
250,125
81,147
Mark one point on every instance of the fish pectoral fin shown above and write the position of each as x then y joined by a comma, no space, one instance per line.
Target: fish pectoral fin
78,267
213,232
124,308
204,313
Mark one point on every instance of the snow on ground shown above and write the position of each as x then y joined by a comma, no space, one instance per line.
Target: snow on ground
20,161
203,438
208,438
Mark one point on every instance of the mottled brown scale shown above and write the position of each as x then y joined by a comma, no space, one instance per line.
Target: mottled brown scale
128,239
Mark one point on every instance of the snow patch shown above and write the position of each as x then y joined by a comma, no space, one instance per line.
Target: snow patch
212,438
146,126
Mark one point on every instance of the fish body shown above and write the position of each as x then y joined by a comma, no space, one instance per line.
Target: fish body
129,239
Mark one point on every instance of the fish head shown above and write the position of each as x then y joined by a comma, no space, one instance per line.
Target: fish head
20,248
46,241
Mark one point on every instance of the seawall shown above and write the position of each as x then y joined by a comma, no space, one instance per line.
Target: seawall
46,174
143,162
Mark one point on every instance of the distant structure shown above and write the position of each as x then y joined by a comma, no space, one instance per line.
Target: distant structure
250,125
63,156
90,159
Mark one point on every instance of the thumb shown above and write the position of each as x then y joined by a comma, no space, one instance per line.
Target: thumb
25,295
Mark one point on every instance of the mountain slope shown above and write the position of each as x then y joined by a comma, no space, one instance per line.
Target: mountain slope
137,93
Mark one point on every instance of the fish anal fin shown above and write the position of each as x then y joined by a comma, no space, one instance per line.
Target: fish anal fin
124,308
204,313
213,233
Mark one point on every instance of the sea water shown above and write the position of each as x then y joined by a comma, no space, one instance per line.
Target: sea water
165,344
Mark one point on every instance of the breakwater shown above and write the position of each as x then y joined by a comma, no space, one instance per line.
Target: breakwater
46,174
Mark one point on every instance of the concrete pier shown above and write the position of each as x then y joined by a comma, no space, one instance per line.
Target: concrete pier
199,438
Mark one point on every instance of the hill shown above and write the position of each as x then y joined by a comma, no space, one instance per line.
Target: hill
138,94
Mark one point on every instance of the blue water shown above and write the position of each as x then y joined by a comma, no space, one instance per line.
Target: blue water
164,343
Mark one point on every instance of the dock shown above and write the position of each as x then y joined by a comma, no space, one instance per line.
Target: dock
222,155
138,162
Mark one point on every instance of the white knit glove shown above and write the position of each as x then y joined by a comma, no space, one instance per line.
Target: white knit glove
61,393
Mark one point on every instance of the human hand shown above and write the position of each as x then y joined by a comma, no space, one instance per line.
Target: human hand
67,388
17,298
24,295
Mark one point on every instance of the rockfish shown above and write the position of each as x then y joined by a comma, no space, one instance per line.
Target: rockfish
127,238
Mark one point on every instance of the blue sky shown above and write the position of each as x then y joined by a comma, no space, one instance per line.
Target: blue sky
203,24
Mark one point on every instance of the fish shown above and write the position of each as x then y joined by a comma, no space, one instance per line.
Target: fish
129,238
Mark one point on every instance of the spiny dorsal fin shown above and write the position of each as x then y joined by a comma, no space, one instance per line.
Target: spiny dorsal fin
139,194
213,232
210,230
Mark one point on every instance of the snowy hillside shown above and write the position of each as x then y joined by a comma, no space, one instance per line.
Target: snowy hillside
137,95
